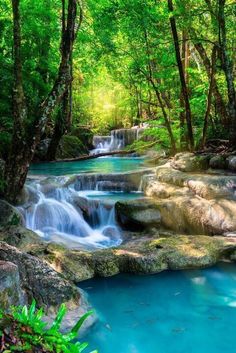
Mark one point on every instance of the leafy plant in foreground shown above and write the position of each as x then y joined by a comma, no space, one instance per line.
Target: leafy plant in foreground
23,330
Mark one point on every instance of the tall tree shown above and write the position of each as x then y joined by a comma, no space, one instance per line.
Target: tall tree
181,75
25,138
227,66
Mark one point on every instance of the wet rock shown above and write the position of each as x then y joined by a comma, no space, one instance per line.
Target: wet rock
232,163
189,162
9,215
218,162
143,255
141,212
10,291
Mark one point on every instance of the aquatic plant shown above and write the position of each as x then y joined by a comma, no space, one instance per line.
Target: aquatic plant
23,329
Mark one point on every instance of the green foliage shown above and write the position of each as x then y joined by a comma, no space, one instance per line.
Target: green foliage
28,330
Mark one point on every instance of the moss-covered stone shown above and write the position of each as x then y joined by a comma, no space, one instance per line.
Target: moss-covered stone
70,147
9,215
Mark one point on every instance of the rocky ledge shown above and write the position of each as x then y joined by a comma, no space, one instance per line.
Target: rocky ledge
140,254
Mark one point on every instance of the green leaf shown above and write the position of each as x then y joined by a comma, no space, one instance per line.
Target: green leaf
78,325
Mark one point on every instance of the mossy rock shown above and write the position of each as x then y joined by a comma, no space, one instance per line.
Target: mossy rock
9,215
84,134
71,147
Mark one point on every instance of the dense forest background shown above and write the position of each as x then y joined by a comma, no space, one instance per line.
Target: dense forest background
112,64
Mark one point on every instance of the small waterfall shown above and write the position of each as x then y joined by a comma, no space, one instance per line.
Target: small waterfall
51,211
118,139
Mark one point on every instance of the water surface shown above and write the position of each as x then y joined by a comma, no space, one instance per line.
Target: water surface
172,312
98,165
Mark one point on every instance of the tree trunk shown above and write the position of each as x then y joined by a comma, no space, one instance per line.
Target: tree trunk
185,62
188,114
24,142
228,70
219,101
209,97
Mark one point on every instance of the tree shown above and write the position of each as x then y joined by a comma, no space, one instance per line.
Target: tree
25,138
182,77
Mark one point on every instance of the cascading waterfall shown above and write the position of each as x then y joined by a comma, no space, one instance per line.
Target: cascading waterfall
56,213
118,139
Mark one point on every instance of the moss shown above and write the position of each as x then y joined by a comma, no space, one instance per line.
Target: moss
71,147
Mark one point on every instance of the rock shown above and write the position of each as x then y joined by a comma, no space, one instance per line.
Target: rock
39,280
232,163
84,134
10,291
9,215
189,162
71,147
142,213
130,180
218,162
20,237
142,255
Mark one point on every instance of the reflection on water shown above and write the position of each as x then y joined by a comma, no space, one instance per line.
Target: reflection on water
172,312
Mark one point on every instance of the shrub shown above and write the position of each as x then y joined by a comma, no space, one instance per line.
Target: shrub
23,330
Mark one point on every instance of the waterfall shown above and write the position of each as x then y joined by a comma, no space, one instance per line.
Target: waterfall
57,212
118,139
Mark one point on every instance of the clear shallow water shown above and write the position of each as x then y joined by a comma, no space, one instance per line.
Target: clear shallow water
99,165
172,312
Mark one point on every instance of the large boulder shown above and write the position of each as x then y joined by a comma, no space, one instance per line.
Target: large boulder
189,162
70,147
10,291
138,213
9,215
39,280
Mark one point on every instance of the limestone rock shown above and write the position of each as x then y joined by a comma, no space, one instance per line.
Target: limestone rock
9,215
10,291
143,255
141,212
189,162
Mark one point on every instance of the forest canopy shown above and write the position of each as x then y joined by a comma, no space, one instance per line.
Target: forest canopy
112,64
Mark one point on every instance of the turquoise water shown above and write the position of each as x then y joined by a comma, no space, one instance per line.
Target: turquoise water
99,165
172,312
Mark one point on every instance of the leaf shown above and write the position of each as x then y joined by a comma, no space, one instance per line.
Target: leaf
78,325
58,320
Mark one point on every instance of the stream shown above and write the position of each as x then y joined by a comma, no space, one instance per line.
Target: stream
172,312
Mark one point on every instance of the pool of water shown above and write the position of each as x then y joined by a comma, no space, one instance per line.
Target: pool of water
99,165
172,312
